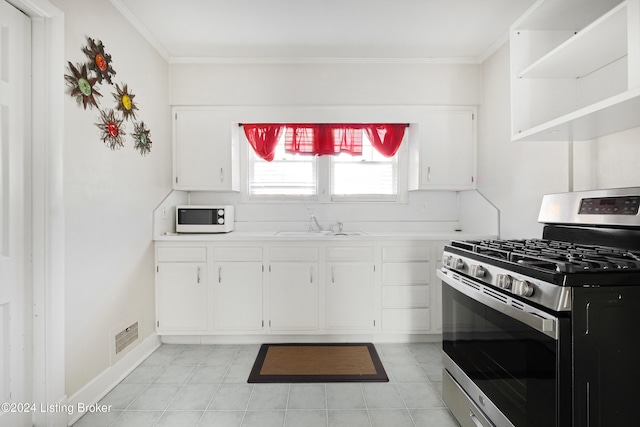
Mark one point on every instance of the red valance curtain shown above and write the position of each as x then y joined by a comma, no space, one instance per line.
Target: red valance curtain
324,139
264,138
386,138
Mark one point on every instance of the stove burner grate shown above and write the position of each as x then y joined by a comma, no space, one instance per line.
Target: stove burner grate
551,255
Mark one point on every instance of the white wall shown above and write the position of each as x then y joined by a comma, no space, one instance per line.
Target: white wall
393,89
514,175
325,84
109,195
608,162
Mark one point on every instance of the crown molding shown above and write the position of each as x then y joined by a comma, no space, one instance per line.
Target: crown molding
118,4
319,60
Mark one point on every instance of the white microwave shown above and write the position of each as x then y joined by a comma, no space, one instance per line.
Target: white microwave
204,219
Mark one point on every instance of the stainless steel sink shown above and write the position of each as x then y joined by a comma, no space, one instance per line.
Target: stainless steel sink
348,233
320,233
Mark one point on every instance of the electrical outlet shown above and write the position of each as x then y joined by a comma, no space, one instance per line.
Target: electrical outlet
424,207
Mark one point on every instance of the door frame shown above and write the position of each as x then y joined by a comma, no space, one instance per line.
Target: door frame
46,182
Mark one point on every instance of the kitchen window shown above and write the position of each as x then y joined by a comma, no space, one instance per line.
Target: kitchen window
287,175
366,176
369,176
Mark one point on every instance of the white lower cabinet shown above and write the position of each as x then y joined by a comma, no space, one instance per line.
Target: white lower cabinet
406,290
294,296
298,288
349,296
238,289
293,285
350,288
181,290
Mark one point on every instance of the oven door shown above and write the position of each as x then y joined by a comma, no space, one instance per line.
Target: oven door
510,358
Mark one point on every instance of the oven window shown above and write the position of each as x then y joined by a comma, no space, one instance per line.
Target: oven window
513,364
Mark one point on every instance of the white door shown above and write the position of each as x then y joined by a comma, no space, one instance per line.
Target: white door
294,296
203,151
15,284
447,157
350,296
182,297
238,296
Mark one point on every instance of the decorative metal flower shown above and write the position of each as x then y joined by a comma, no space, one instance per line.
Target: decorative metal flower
141,138
99,62
125,102
82,87
112,129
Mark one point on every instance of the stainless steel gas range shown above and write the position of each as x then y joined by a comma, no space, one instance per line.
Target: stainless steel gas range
544,332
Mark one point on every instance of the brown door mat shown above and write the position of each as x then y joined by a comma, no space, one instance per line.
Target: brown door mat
305,362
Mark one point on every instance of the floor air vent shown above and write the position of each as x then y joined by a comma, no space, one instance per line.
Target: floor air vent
126,337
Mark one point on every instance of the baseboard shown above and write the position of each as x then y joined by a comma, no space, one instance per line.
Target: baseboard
97,388
262,339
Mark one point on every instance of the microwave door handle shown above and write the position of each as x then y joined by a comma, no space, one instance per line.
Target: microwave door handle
545,325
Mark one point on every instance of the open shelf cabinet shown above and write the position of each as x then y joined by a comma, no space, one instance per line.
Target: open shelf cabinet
575,69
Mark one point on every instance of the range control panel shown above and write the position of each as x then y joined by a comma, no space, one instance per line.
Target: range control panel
623,205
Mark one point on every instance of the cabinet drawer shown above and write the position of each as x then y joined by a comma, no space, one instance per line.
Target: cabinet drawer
405,319
166,254
405,273
237,254
295,253
350,253
405,253
405,296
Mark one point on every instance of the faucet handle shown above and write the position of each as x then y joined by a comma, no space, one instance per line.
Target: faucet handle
337,225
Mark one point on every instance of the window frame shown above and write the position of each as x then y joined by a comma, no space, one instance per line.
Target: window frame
324,176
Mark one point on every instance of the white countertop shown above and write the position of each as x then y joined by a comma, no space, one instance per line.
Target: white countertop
274,236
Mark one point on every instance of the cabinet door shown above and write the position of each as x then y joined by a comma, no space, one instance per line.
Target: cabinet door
447,152
238,296
204,151
350,296
181,297
294,296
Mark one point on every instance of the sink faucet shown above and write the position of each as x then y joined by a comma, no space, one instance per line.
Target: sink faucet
314,225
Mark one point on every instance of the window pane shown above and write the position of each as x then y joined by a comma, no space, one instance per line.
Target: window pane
368,174
287,175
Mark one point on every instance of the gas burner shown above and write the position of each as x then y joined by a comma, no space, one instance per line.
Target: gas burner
553,255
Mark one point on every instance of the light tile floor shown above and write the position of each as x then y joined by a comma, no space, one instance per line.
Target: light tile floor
206,385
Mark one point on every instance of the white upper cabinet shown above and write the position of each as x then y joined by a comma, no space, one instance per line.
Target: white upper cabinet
205,151
442,154
575,70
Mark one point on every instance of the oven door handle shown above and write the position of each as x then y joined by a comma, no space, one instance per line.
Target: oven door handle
538,320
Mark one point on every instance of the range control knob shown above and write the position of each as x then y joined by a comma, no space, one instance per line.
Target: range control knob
477,270
522,288
456,263
446,259
504,281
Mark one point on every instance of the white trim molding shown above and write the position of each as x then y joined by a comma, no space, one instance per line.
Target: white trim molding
98,387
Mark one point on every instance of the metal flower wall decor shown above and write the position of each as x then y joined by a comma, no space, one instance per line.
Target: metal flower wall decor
83,81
